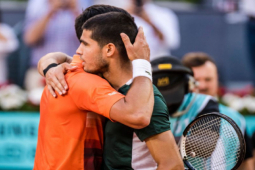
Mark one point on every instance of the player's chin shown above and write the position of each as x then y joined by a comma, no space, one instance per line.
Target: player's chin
90,70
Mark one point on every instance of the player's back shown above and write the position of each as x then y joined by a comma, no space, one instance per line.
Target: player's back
68,134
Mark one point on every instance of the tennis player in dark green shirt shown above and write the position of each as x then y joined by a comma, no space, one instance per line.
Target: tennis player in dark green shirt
152,147
125,147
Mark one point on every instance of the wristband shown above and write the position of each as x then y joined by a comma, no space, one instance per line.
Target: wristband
49,67
141,67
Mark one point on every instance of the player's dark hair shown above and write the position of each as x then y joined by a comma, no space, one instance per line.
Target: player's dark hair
196,59
106,28
91,12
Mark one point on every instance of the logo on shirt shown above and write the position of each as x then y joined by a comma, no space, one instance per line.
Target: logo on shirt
112,93
148,73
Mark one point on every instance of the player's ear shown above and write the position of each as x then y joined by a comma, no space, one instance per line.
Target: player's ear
109,49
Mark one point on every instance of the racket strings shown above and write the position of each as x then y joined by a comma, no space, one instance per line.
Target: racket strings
195,134
214,143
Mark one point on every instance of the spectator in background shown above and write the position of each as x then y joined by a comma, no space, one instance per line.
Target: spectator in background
8,43
49,27
176,83
161,26
249,10
205,72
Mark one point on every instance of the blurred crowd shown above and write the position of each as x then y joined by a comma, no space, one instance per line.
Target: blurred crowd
49,27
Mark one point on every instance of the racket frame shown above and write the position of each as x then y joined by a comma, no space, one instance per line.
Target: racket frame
234,125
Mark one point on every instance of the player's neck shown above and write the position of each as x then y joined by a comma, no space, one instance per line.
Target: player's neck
119,74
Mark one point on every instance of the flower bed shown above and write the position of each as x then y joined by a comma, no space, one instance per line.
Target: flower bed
13,98
242,100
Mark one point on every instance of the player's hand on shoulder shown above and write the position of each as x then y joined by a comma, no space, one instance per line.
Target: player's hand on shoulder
140,49
55,79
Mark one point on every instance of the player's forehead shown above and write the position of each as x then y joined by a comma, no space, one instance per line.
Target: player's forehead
86,36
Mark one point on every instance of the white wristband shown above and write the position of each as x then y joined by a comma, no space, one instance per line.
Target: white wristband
141,67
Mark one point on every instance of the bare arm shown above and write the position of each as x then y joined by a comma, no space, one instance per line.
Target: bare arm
36,31
141,12
136,108
56,57
247,164
55,76
2,37
146,18
165,151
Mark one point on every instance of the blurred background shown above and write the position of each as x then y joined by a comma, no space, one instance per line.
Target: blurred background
224,29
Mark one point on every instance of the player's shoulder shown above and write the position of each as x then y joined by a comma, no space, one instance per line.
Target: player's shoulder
156,92
157,95
79,74
159,102
83,79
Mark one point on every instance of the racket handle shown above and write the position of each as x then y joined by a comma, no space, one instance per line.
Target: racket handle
188,165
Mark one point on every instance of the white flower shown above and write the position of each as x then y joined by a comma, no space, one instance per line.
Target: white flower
12,97
229,98
237,104
249,103
34,96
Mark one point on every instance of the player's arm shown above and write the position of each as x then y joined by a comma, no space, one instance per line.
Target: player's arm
55,75
159,139
55,57
138,104
135,109
247,164
97,95
165,151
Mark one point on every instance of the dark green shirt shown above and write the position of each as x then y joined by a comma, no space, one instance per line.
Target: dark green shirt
124,147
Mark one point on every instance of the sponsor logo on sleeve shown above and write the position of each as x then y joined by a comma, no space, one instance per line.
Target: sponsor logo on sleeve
112,93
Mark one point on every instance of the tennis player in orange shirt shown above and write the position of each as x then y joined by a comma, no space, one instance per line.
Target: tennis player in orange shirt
103,52
70,136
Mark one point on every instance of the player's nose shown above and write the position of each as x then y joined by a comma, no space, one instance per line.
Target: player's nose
79,50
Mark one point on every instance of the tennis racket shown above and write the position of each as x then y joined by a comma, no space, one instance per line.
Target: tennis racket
212,142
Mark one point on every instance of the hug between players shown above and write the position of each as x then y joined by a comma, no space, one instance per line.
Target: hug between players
119,99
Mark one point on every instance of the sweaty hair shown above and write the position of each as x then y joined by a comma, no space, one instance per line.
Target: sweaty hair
106,28
91,12
196,59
